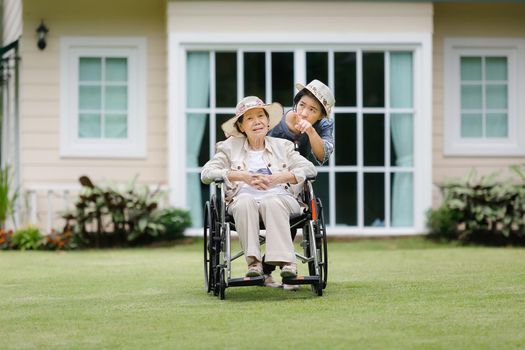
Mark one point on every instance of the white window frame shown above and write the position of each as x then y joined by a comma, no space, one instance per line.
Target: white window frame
514,51
179,42
134,49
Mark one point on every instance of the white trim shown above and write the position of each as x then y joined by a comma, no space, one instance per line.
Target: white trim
453,143
134,49
419,43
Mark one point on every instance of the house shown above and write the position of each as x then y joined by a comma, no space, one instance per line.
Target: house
424,90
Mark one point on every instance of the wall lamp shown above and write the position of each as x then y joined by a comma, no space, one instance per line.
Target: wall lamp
41,31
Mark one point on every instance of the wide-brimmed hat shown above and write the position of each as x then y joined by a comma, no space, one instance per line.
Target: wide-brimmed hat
321,92
274,110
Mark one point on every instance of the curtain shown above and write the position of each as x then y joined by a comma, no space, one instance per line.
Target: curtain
401,130
197,91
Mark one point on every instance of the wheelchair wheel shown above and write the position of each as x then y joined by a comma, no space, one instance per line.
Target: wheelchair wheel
208,239
222,284
322,242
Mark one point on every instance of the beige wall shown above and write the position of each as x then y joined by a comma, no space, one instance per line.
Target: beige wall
277,16
40,99
468,20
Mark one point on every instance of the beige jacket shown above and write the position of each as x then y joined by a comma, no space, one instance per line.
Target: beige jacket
279,155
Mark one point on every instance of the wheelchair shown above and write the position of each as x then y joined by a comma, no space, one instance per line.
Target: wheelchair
218,225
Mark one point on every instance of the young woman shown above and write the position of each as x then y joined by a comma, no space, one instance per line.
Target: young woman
308,125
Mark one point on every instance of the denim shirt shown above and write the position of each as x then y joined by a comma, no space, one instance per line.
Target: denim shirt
324,127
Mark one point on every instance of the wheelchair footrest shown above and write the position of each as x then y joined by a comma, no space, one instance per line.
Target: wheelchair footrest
302,280
246,281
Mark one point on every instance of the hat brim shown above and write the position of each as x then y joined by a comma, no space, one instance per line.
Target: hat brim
300,86
275,113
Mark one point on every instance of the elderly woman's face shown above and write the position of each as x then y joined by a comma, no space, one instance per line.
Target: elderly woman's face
254,123
309,108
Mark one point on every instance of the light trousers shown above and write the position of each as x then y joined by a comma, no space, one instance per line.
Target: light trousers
275,211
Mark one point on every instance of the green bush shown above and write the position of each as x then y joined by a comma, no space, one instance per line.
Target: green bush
175,222
8,196
27,238
485,210
107,217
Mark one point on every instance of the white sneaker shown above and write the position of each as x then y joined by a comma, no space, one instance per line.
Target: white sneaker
289,270
270,282
291,287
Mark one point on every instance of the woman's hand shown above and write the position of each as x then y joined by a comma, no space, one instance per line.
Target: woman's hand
302,125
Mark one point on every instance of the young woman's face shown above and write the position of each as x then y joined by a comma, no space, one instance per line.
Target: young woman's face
309,108
254,123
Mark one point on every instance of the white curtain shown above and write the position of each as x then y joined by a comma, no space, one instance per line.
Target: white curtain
401,129
197,91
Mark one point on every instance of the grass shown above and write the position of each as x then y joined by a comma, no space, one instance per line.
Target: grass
382,294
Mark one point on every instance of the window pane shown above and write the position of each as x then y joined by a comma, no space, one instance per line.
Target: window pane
90,69
346,199
346,133
321,190
89,97
226,79
116,98
402,199
254,74
219,134
374,201
197,136
471,125
374,139
116,126
89,126
402,140
317,66
401,81
497,125
116,69
496,96
345,79
282,77
198,80
373,79
471,97
470,68
496,68
197,195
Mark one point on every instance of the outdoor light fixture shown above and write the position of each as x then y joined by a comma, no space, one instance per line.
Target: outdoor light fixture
41,31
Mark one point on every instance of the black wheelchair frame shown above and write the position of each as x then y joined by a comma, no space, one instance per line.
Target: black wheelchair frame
218,225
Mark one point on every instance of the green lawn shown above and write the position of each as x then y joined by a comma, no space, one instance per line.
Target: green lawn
387,294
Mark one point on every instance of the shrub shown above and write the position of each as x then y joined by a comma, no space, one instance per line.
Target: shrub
5,239
27,238
175,222
485,210
7,196
106,216
59,240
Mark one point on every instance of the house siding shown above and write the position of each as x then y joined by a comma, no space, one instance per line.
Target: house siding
468,20
44,173
359,17
40,92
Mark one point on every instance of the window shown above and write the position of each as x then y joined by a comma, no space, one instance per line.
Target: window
369,180
481,88
103,97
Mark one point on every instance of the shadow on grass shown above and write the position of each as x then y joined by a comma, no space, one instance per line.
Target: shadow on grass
265,294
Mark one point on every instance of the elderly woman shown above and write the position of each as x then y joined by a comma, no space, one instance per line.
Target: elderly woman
262,177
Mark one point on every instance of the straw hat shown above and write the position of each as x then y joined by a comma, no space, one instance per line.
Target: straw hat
274,110
321,92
